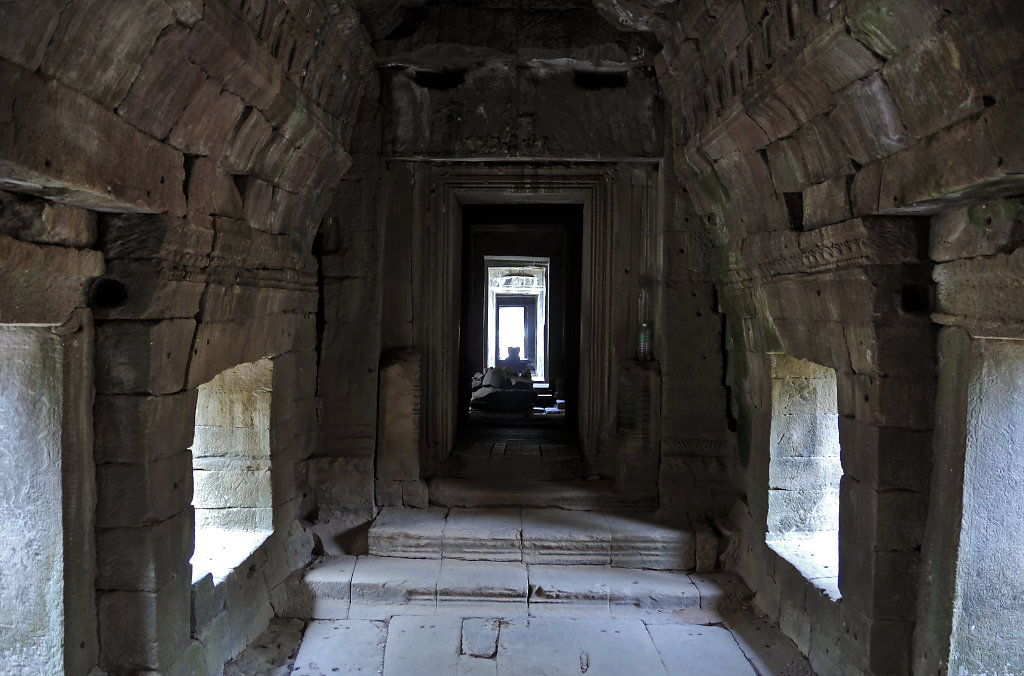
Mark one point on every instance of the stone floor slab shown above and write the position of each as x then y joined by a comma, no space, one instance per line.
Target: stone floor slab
329,583
341,647
382,587
477,666
418,646
767,648
483,535
559,536
639,542
595,647
698,650
482,588
407,532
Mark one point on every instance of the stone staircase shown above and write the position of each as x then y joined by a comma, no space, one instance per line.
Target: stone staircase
507,562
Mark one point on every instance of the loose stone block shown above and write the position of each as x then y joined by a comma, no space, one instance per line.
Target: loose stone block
205,125
483,535
382,587
556,536
480,637
868,120
482,588
411,533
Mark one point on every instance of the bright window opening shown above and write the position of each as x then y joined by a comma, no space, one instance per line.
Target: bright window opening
231,469
805,469
517,309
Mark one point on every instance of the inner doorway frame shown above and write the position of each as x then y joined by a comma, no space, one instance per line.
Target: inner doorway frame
441,192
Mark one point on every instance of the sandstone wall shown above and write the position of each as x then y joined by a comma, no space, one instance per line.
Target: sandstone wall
187,153
821,142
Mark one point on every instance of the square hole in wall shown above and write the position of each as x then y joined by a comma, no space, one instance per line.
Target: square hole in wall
231,468
805,469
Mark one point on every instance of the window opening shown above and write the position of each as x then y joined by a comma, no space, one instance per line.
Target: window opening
805,470
231,469
517,296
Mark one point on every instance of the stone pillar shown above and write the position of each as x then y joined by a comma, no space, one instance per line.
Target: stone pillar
398,430
638,422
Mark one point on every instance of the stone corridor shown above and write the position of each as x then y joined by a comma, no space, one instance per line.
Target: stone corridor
743,277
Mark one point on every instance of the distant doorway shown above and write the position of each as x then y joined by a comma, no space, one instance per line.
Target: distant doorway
520,326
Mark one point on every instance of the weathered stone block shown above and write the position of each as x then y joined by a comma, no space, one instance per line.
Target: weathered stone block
787,166
205,125
838,59
143,558
822,149
135,357
826,203
141,429
141,630
99,48
931,81
165,85
59,143
154,290
398,429
981,229
27,29
895,402
940,171
43,284
344,482
231,489
887,26
130,496
46,222
868,120
225,344
249,144
889,458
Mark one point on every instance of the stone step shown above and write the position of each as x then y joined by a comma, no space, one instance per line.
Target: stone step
468,466
533,536
378,588
571,495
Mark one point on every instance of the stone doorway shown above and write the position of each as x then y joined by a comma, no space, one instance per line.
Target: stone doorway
518,417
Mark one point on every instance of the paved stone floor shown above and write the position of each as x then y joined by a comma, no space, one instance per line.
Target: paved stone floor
410,645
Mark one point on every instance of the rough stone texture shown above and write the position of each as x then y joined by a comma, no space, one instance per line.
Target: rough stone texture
31,511
398,422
